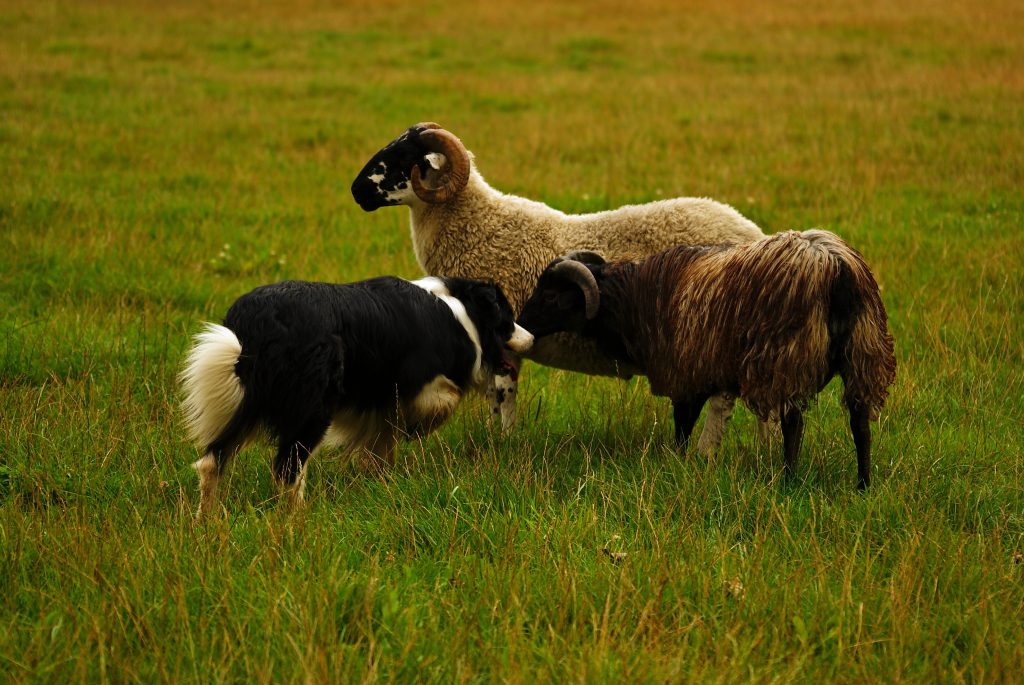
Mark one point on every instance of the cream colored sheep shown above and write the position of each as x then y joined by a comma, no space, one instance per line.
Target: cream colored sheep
461,226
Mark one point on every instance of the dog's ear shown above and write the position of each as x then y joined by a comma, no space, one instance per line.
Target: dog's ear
486,294
485,299
502,301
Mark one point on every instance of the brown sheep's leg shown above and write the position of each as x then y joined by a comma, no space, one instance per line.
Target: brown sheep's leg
792,433
768,433
860,425
719,412
685,412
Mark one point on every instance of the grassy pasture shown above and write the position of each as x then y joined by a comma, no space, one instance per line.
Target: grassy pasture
159,159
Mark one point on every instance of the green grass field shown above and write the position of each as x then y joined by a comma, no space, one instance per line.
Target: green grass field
159,159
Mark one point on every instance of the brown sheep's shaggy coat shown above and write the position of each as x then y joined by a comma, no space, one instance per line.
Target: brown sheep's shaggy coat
771,321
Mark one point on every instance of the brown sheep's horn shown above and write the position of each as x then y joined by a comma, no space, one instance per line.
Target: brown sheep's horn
440,140
580,275
427,125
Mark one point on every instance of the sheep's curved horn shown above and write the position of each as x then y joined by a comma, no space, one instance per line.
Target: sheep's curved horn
585,256
576,272
426,125
445,142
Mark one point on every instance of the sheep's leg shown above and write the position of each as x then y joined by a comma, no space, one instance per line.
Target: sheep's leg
767,432
685,413
501,391
792,433
492,398
509,387
860,425
719,412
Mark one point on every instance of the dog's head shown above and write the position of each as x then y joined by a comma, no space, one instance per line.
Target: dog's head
501,338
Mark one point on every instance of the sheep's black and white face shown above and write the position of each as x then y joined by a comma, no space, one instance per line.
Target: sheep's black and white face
385,178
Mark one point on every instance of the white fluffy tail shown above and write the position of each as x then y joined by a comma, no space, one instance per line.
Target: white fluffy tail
212,391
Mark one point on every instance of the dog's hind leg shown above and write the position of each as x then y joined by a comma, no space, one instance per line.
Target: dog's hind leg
380,449
209,470
218,453
293,453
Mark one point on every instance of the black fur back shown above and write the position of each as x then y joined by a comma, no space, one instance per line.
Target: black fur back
309,349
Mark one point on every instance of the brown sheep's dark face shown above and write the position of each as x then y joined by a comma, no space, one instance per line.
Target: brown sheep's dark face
559,303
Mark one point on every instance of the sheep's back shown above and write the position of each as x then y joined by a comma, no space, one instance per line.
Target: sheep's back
751,319
636,231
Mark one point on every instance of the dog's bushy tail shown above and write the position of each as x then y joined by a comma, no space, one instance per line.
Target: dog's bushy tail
212,391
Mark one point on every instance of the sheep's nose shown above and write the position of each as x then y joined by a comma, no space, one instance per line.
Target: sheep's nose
364,193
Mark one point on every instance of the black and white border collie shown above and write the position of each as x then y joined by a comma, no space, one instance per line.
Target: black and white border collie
359,364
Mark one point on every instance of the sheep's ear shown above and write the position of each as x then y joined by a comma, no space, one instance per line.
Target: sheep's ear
447,166
436,160
435,170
